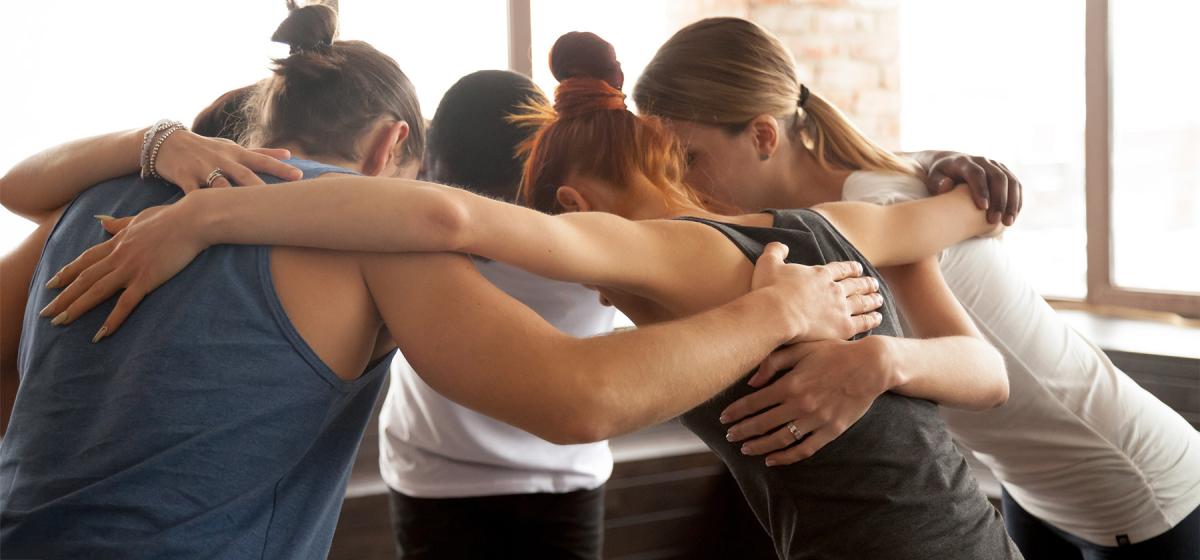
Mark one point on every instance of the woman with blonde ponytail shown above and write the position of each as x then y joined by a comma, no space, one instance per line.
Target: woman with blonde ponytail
1119,476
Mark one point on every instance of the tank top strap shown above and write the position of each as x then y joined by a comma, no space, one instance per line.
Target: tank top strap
803,246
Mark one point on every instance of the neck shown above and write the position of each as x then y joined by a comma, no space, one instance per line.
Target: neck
340,162
805,182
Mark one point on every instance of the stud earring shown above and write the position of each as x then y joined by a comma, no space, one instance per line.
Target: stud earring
764,157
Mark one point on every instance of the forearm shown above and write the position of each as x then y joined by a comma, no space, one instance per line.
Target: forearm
638,378
954,371
339,213
910,231
47,181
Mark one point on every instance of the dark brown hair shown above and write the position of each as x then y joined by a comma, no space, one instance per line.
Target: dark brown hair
225,117
327,93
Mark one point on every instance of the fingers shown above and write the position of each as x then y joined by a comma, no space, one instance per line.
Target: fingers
859,286
760,424
220,182
977,180
774,441
860,304
1015,196
774,252
242,175
842,270
267,161
128,301
277,153
67,274
92,295
866,321
998,191
784,358
809,447
59,307
938,183
753,403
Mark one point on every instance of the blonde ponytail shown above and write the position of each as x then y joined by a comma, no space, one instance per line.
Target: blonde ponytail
727,71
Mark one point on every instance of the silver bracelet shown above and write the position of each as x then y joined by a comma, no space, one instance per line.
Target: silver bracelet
147,143
151,168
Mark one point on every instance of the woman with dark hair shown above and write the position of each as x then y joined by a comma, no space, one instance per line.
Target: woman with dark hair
892,485
1119,477
508,493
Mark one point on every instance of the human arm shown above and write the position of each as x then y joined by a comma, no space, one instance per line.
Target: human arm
481,348
994,187
829,385
908,232
16,271
347,213
37,186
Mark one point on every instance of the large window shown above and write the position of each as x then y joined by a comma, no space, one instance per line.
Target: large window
1155,222
1089,102
969,84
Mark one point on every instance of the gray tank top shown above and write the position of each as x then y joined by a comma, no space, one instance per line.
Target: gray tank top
893,486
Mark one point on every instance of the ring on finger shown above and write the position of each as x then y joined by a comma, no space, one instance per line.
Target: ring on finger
796,433
216,173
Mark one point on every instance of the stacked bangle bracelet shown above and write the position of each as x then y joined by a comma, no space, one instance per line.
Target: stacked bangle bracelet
152,142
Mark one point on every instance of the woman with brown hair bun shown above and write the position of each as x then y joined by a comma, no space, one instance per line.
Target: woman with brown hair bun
1119,476
892,485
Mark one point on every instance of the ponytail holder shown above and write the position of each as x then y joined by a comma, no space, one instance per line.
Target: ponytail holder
319,46
803,96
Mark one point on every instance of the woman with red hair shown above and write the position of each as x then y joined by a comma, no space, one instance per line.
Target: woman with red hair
887,481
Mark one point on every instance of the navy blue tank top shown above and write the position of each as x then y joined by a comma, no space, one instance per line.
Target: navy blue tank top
204,428
892,486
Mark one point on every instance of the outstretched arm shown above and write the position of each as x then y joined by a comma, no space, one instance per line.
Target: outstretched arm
479,347
910,231
48,180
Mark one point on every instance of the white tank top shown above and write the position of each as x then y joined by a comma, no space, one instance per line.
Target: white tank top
430,447
1079,444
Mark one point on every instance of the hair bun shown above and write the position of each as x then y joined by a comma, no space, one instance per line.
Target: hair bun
580,54
310,28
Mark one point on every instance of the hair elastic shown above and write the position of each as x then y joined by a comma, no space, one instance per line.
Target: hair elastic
803,96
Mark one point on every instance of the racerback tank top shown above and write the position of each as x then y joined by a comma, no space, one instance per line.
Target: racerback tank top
892,486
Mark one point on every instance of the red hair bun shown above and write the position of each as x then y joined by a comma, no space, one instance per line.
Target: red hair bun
580,54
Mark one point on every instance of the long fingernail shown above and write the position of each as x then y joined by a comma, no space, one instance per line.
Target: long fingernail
745,450
53,283
771,462
724,419
729,436
45,312
59,319
103,217
99,334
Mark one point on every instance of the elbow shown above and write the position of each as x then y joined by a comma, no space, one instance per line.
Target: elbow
450,219
999,391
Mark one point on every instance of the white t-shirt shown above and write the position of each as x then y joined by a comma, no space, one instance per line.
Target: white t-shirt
1079,444
430,447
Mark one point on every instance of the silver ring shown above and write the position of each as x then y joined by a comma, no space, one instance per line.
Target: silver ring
213,176
796,433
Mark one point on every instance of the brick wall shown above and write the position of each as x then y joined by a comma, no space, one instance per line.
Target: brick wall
847,50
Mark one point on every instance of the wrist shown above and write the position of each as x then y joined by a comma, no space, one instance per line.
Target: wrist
791,317
883,355
200,218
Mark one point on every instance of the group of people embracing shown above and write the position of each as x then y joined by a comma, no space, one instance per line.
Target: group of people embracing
213,409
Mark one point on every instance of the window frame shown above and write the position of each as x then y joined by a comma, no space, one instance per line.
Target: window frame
1098,151
1098,144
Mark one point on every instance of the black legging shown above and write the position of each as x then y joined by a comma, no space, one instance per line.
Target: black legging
1038,540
